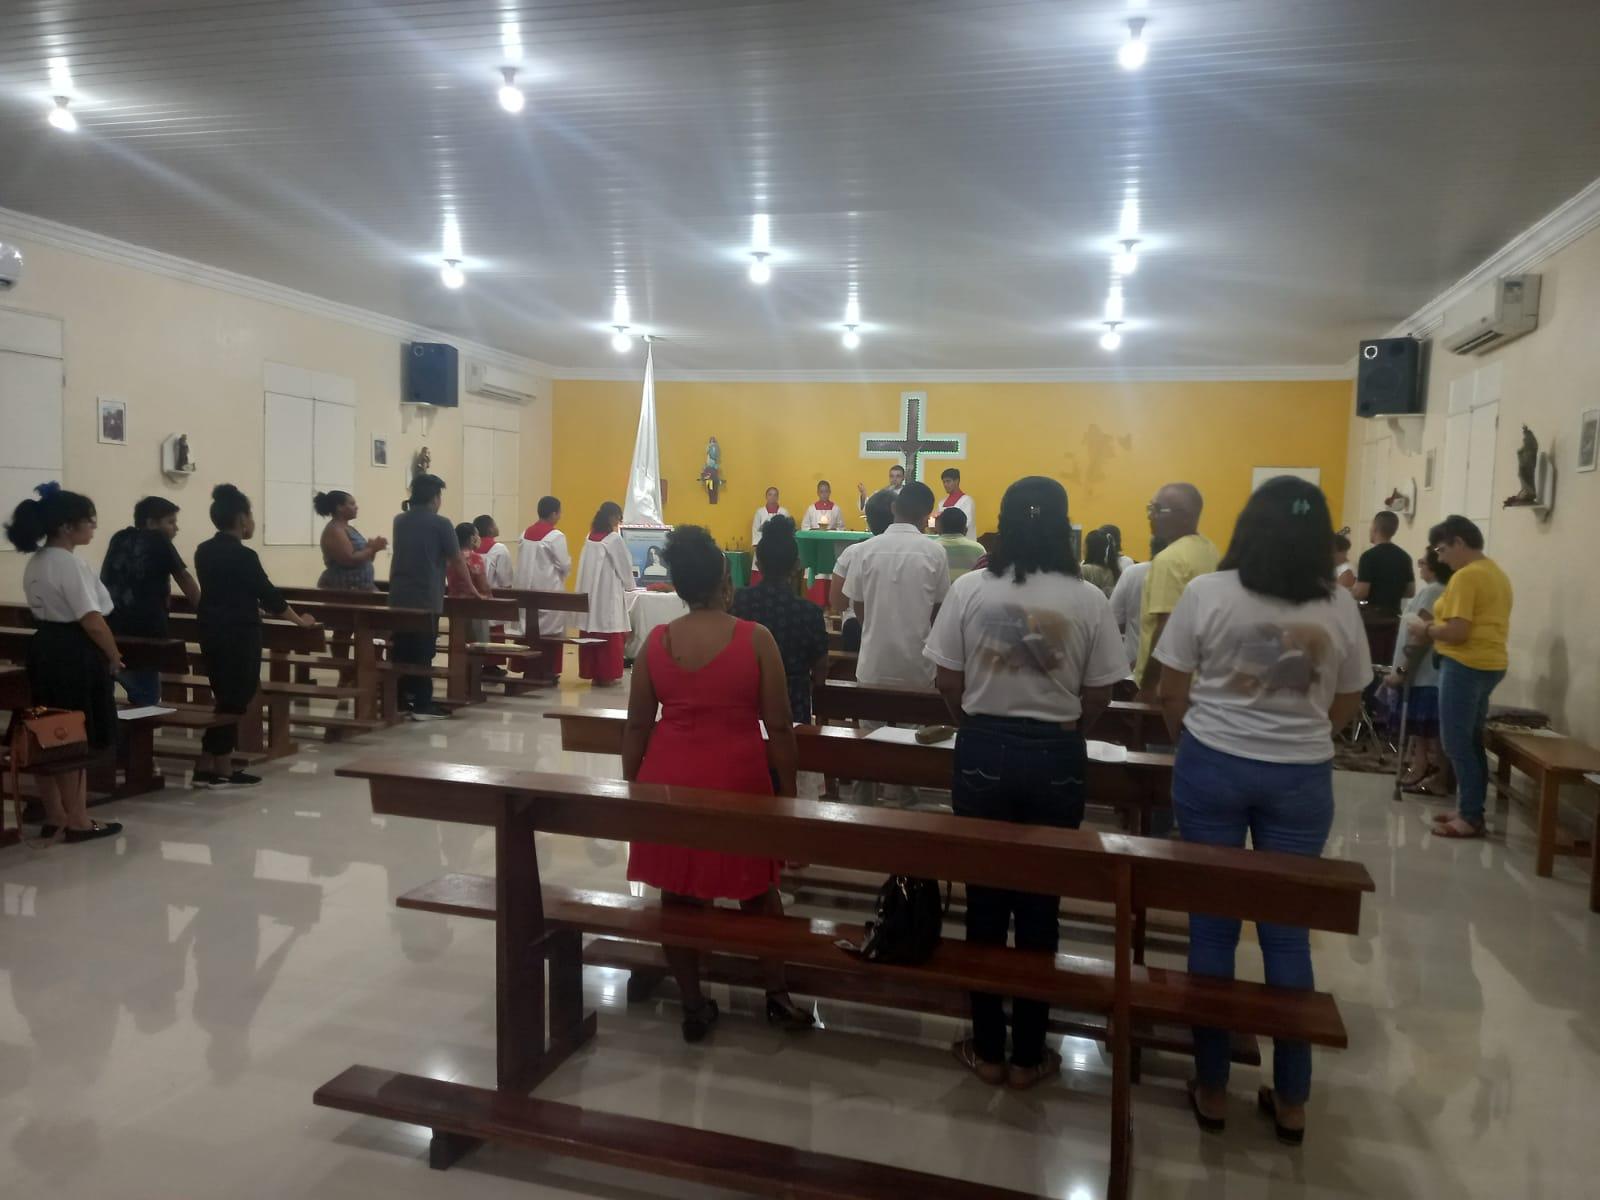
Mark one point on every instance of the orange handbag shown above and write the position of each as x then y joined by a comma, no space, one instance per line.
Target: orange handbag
40,736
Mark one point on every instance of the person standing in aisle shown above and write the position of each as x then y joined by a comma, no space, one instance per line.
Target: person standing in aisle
424,548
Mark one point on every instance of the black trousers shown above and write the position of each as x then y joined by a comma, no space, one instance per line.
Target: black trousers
415,692
233,664
1032,773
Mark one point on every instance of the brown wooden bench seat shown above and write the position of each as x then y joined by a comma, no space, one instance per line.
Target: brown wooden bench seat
1551,762
1068,981
540,946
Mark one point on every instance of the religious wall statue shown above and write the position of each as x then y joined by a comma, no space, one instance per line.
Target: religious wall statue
421,462
711,474
1527,466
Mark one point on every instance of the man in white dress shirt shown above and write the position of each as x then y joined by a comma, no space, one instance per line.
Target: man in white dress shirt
954,497
897,480
895,584
764,514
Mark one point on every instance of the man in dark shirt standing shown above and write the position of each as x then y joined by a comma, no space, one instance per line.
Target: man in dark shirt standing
140,564
1384,576
422,548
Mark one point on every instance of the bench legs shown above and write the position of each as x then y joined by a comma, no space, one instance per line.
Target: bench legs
1549,803
1121,1038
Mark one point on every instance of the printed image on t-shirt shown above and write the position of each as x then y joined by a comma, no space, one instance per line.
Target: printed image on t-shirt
1267,657
1016,639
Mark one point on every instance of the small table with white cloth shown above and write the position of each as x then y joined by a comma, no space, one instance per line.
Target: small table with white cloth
646,610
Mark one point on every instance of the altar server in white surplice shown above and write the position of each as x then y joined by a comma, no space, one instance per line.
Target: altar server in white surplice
605,573
543,566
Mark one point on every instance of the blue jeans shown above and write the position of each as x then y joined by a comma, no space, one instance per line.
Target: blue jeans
1463,708
142,687
1286,807
1031,773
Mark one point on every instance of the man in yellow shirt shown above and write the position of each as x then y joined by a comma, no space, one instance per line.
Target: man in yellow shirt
1468,628
1175,518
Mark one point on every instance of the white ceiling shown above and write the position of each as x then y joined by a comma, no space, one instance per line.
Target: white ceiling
1308,170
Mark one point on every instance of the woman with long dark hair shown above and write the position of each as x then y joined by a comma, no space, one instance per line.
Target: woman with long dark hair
1102,560
1026,652
715,680
1260,662
605,573
72,655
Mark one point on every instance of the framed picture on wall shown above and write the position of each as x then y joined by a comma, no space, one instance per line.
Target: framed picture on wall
113,423
1589,439
380,452
646,544
1427,470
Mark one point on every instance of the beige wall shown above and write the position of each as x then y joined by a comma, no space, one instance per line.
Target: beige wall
1550,376
187,358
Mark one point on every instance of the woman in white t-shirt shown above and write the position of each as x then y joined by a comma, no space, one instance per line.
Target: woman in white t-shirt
1026,652
1261,662
72,656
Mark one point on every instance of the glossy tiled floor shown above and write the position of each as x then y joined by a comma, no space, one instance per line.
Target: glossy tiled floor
171,1000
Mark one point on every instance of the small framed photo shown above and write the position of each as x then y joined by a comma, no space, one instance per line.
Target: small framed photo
1589,439
380,452
1427,470
113,422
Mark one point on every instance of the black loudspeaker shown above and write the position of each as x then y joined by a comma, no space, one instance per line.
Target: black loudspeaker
1389,377
431,375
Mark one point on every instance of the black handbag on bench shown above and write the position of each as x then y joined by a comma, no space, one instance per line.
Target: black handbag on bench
908,924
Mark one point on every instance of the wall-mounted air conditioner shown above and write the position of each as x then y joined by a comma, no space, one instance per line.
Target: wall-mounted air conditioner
1493,315
499,383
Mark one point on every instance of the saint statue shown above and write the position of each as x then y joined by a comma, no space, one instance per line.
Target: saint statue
1527,466
713,467
421,463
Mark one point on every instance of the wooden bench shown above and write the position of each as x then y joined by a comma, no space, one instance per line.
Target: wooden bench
534,602
458,611
1551,762
539,928
1128,723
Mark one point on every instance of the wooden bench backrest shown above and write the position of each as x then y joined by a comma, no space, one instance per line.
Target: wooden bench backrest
275,635
1251,885
574,602
140,653
349,599
848,700
375,619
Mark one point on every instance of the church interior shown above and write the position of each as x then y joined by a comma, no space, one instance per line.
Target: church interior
691,260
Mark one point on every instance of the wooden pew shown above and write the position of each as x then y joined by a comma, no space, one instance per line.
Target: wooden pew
1551,762
1126,722
1138,786
365,623
534,602
539,927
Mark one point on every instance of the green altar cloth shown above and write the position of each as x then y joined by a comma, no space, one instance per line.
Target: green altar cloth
820,549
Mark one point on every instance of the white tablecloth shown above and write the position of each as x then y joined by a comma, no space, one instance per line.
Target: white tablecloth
646,610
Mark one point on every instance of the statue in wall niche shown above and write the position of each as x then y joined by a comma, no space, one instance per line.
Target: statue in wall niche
421,462
711,474
1527,465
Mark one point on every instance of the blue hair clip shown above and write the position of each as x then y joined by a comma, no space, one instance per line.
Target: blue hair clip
1300,507
48,489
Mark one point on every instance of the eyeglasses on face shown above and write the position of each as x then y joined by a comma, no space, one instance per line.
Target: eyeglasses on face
1157,510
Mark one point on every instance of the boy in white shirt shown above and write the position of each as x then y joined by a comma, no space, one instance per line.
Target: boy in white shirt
896,584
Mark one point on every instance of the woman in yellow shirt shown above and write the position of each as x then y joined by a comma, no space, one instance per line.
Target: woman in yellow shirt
1468,628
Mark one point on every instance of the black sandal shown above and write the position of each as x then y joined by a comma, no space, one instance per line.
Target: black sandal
95,831
1208,1124
698,1023
781,1010
1268,1105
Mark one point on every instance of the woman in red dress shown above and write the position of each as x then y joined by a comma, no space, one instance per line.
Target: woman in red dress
716,680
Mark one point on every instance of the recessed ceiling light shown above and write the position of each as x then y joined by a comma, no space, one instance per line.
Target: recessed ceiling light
1135,50
1111,339
451,274
851,338
61,115
620,341
511,97
760,270
1126,260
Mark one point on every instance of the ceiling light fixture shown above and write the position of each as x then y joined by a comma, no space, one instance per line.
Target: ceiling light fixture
1135,50
1114,307
760,271
61,115
620,341
1110,339
851,338
852,323
1128,226
1126,260
511,97
451,274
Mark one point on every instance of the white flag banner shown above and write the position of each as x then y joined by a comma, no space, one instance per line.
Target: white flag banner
643,503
